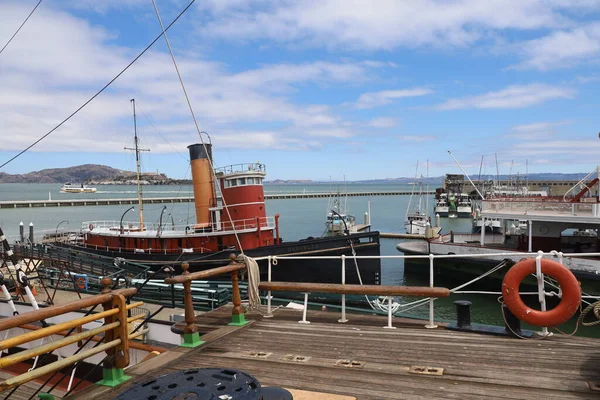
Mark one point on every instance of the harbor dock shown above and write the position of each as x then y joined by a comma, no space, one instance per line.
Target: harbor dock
183,199
361,360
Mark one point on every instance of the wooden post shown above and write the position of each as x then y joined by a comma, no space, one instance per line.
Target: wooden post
191,337
237,314
118,357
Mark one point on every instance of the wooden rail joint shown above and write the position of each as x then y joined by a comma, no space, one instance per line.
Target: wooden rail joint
191,336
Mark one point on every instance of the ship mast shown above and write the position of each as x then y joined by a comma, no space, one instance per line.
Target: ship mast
138,166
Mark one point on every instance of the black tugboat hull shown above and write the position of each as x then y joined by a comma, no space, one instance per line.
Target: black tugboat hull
303,270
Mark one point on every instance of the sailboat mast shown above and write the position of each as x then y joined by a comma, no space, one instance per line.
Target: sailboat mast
138,165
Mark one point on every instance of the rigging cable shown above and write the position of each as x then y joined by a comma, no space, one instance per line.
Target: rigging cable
18,29
210,162
101,90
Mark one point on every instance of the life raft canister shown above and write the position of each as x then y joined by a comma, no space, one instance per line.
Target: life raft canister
571,293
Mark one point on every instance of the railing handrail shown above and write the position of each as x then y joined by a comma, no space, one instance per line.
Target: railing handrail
115,328
337,288
53,311
206,273
268,221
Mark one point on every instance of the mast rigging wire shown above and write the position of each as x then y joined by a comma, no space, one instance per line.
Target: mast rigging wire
101,90
19,28
210,162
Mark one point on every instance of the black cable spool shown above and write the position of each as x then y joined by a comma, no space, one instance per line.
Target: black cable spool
205,384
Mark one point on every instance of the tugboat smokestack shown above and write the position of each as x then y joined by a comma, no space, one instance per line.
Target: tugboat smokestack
204,188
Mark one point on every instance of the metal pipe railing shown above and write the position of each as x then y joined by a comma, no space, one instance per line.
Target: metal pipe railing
273,261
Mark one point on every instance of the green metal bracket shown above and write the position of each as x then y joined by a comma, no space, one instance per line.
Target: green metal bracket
46,396
113,377
191,340
238,320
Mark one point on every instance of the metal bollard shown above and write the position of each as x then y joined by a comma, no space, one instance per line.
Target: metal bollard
512,324
463,314
31,232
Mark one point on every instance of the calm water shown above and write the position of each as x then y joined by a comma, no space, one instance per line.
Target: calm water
300,218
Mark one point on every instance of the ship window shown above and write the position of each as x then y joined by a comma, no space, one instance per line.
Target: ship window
241,181
233,182
250,181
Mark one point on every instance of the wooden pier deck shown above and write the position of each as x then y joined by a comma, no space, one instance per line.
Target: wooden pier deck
183,199
472,366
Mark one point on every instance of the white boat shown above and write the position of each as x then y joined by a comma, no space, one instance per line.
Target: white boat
442,208
451,202
416,218
77,188
339,221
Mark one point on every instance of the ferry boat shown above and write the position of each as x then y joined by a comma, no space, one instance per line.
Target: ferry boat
77,188
528,225
227,221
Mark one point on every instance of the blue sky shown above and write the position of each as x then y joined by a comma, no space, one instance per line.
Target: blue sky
313,89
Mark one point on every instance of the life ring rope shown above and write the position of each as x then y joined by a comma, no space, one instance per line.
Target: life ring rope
571,293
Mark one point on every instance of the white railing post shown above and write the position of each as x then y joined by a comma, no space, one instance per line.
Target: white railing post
343,319
540,282
269,313
304,321
389,325
431,324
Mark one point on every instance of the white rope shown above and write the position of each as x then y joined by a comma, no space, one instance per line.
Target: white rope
253,281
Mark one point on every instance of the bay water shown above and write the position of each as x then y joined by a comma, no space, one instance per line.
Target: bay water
300,218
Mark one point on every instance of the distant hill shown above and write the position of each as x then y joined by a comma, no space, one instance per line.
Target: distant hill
79,174
105,175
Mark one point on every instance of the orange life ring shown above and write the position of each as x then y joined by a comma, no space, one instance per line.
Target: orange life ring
91,226
80,283
571,293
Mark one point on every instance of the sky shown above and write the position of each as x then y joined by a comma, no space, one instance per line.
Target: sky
313,89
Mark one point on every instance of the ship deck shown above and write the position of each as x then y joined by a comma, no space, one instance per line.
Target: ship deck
473,365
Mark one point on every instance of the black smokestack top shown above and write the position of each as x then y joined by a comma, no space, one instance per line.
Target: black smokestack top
198,151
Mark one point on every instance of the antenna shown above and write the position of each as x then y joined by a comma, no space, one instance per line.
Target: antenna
137,150
479,178
467,175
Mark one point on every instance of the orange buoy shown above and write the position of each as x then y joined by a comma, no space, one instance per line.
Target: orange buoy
571,293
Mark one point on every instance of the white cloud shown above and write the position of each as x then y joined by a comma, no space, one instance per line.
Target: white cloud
573,149
375,99
561,49
417,138
384,25
383,122
59,61
514,96
536,130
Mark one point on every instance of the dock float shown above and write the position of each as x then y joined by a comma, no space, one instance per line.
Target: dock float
160,200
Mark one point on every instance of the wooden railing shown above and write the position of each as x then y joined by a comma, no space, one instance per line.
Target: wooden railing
115,330
190,331
344,289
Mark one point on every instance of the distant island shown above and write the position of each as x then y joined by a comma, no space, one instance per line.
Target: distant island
93,174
